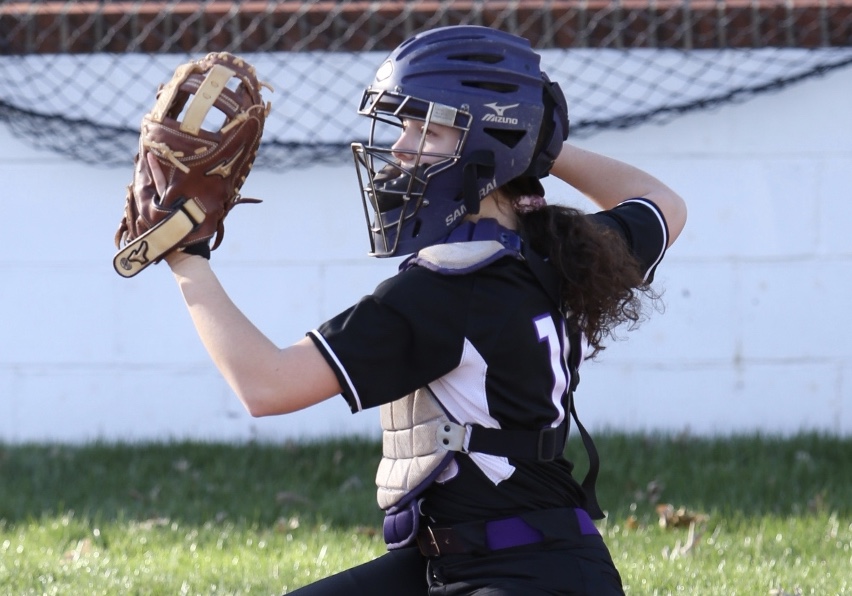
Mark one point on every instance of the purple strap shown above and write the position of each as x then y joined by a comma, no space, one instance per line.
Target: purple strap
587,526
506,533
514,531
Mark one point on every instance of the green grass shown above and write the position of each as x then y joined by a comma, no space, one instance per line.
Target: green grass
196,518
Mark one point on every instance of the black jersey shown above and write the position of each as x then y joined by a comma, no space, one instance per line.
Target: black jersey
493,347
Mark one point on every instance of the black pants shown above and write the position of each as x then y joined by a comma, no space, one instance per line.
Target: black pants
533,570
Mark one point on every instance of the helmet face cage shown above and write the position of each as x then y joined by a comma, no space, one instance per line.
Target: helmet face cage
394,194
485,83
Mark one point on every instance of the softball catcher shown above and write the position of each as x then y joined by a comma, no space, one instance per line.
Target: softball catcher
472,349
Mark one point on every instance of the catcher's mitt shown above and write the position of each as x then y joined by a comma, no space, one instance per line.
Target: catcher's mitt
203,169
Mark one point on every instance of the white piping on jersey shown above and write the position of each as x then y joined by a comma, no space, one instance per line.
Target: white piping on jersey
663,226
339,366
462,393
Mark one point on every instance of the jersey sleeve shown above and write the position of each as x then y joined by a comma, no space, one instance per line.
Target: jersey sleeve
642,225
406,334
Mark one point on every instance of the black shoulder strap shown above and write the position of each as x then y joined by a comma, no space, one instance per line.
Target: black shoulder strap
549,279
588,484
544,272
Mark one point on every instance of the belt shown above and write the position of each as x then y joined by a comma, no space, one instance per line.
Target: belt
476,537
487,536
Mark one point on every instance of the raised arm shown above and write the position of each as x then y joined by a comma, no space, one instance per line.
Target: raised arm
607,182
267,380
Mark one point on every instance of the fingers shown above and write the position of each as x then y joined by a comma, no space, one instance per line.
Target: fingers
157,174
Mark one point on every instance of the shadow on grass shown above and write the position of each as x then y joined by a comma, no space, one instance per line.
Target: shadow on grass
332,482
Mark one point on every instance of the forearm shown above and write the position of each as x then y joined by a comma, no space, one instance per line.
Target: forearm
607,182
267,379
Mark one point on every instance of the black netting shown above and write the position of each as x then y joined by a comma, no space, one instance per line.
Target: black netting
77,77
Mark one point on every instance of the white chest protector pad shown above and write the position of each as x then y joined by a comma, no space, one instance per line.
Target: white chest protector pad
418,444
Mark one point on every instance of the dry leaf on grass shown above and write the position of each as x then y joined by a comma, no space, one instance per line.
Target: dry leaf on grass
670,517
678,518
687,548
287,524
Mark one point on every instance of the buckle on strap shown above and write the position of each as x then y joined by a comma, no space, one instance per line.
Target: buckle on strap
549,443
451,436
435,542
427,543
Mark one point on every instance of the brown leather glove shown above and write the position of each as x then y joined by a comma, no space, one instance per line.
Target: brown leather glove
204,162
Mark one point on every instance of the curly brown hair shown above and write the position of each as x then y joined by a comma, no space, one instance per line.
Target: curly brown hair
602,282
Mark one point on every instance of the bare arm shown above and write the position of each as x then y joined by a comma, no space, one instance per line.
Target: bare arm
607,182
267,379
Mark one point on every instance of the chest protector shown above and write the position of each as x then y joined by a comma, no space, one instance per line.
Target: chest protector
420,439
419,442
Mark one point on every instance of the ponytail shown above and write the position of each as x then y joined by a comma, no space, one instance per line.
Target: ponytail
602,283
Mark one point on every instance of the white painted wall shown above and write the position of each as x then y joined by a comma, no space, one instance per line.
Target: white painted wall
756,335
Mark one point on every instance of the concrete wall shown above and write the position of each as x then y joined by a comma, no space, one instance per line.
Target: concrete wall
756,333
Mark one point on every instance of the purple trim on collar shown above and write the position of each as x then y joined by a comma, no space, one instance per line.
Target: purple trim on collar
468,231
485,229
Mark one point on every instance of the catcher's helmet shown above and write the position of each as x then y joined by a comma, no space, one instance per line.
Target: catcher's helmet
483,82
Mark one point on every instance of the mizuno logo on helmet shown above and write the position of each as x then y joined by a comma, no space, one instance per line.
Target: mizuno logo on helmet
498,116
499,110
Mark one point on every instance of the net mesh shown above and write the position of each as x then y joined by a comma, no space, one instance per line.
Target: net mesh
78,76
